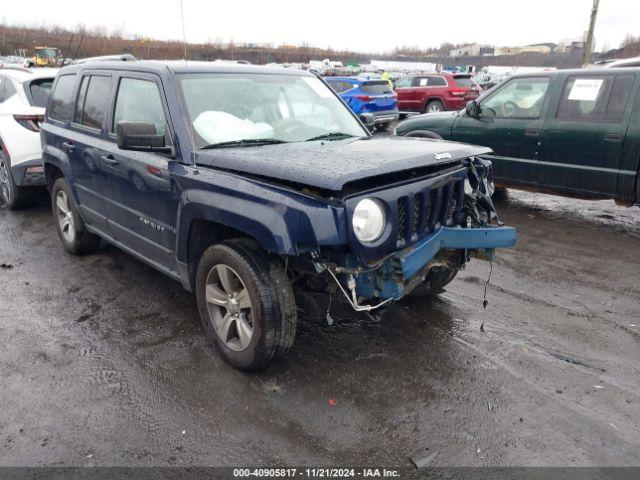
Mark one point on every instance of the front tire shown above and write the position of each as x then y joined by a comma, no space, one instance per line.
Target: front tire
438,278
424,134
71,228
246,304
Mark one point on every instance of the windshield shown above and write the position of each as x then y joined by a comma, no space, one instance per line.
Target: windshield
254,106
46,53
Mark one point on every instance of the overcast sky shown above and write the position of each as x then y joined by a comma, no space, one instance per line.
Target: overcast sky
370,26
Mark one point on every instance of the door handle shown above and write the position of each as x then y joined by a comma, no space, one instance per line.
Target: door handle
532,132
613,137
109,159
69,146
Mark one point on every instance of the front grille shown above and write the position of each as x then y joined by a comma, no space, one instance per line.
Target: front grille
427,211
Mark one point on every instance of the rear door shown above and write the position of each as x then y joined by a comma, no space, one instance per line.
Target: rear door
146,200
85,145
583,138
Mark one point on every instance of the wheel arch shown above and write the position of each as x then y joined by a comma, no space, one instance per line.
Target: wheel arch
431,98
424,134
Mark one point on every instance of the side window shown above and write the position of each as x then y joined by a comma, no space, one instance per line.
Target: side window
139,101
437,82
619,97
422,82
92,101
585,98
403,83
62,99
82,94
517,98
2,82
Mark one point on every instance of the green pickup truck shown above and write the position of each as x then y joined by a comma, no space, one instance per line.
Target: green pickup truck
570,132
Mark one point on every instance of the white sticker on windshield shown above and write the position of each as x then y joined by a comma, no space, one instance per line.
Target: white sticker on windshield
585,89
318,87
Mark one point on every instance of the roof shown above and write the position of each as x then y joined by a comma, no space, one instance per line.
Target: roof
182,66
354,79
578,71
24,74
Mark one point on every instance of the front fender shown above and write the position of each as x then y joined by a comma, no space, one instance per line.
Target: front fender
281,221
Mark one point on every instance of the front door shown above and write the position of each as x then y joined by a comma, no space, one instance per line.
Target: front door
583,138
510,123
140,182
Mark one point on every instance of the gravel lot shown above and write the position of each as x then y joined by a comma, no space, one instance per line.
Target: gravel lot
103,361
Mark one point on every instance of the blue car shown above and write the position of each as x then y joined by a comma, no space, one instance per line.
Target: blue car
365,95
242,182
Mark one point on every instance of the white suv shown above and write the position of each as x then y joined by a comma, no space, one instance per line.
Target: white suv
23,97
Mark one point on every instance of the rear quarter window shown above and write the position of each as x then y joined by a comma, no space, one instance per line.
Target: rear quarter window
39,91
61,107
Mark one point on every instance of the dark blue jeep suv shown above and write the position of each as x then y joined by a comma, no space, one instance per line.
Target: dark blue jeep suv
242,181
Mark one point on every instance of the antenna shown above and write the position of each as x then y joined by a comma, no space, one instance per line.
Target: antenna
186,67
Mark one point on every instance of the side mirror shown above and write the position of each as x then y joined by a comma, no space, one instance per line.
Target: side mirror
369,120
472,109
140,136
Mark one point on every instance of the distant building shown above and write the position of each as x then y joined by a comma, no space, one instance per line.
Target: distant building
472,50
568,45
401,67
520,50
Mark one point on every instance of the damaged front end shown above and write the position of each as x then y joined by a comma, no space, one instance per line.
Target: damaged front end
434,227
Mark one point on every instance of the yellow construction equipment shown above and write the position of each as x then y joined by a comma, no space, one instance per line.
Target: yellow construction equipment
45,57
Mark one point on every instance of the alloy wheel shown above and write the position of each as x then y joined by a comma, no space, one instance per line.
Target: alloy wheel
229,306
65,217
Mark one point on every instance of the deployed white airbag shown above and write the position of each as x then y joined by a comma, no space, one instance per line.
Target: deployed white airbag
216,127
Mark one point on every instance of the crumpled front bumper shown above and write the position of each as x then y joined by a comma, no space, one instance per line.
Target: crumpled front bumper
400,272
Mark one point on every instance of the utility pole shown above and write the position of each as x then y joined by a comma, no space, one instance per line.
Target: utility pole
588,46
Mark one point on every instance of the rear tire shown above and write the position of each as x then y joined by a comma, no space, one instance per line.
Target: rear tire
434,106
251,316
71,228
12,196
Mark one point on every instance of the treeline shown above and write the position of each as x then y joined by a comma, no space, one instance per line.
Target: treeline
82,42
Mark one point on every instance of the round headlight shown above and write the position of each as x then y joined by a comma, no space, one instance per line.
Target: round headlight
368,220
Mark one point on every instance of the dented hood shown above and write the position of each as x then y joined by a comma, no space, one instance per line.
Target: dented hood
331,165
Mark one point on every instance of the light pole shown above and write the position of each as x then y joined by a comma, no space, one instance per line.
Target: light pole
588,46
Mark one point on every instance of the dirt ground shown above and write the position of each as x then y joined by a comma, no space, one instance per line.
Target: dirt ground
103,361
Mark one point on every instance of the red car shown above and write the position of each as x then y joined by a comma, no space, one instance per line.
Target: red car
435,92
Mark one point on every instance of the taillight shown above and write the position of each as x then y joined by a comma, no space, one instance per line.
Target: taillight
30,122
458,93
363,98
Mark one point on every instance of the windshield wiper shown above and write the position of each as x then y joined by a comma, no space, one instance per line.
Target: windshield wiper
246,142
330,136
